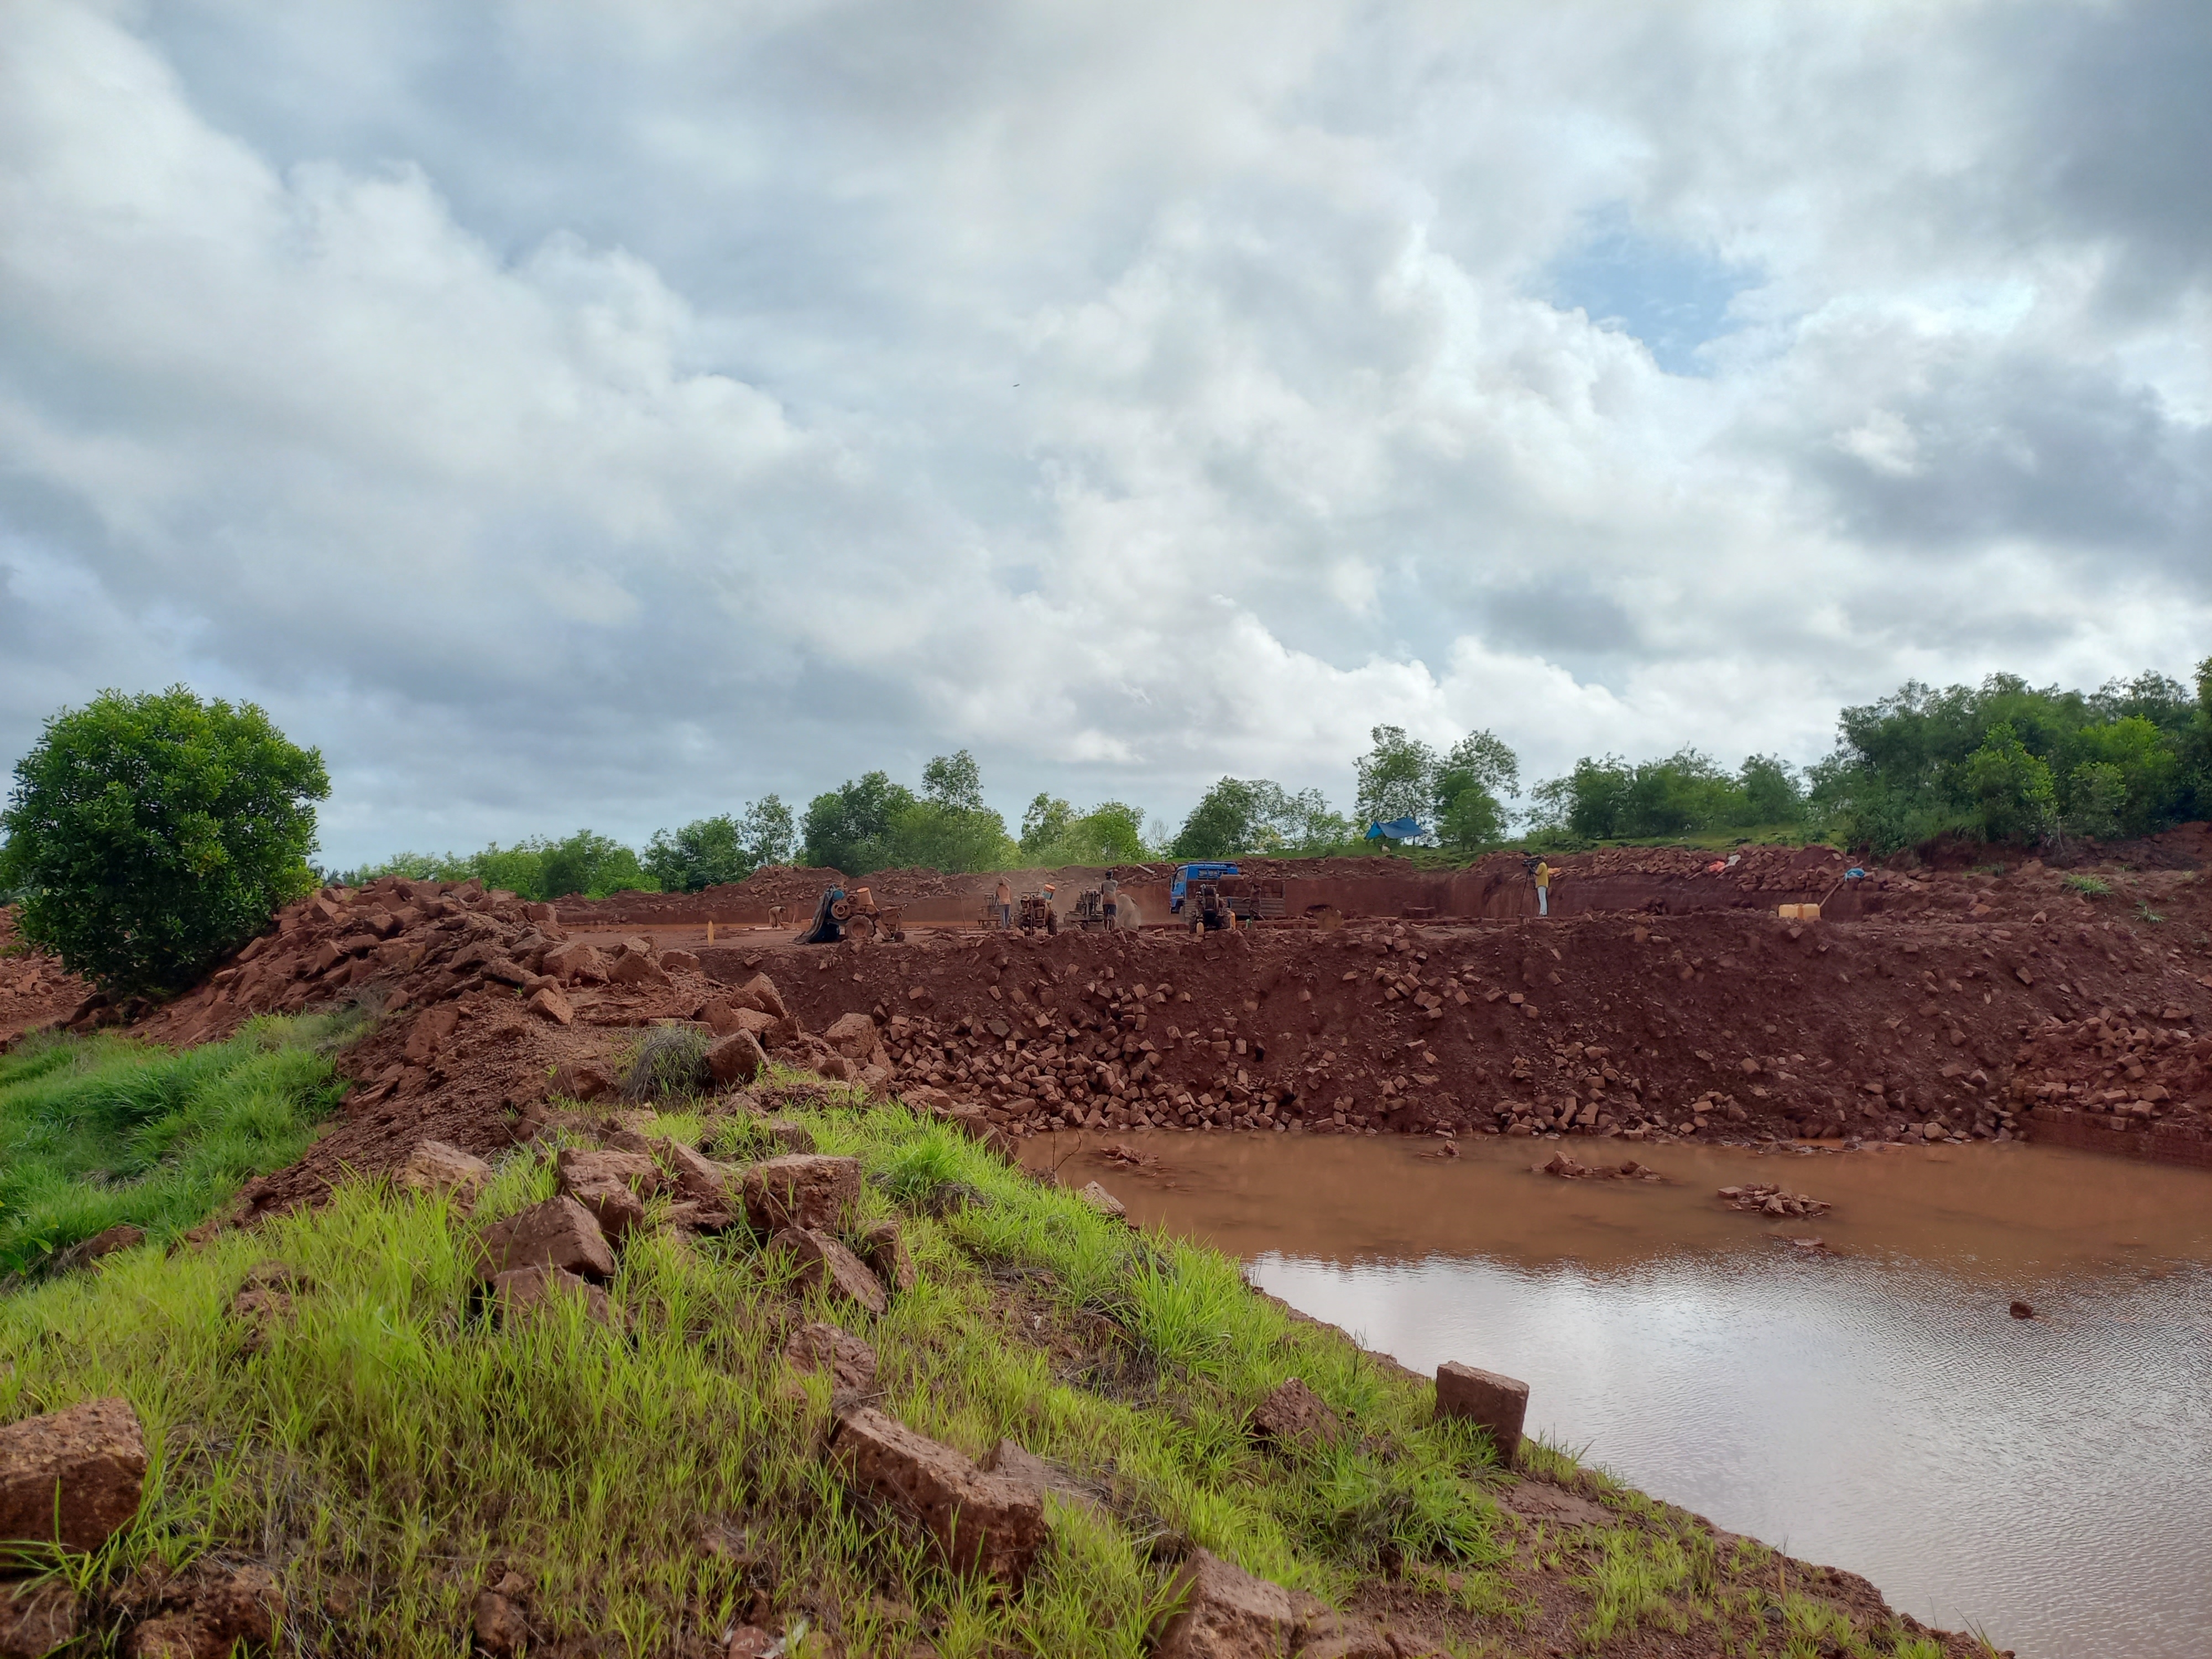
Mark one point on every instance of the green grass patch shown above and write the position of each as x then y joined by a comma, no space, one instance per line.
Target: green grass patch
101,1130
387,1451
2088,886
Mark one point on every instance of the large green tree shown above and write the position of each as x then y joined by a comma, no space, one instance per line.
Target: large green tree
150,836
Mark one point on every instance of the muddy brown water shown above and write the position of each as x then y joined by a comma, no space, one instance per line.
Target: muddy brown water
1871,1404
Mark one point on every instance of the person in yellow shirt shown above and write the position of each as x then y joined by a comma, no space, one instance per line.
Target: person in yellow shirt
1543,875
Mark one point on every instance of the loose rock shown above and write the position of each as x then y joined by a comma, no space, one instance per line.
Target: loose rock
71,1477
558,1233
525,1291
883,1246
1293,1414
984,1524
824,1264
819,1346
800,1190
1225,1612
1486,1400
435,1166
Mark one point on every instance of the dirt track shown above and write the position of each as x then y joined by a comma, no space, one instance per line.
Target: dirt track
1965,1003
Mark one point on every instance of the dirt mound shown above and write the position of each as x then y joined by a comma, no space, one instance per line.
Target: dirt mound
1962,1004
35,989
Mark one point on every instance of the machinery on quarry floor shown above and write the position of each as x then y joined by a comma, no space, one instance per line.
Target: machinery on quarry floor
839,915
1232,901
1034,912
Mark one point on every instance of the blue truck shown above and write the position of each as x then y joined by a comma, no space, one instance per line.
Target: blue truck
1191,872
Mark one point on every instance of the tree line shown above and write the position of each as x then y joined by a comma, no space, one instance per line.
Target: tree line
2002,761
147,833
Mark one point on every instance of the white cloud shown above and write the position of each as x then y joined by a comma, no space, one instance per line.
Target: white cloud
592,417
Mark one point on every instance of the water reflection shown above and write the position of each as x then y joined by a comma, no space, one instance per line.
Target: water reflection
1871,1404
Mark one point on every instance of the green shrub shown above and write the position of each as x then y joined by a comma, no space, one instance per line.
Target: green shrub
2088,886
669,1064
151,835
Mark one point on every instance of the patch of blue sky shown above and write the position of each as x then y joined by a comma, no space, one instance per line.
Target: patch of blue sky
1673,296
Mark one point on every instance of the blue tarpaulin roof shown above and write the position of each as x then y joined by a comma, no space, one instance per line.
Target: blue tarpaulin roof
1396,830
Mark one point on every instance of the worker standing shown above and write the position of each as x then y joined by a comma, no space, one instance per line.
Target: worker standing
1005,900
1543,874
1110,894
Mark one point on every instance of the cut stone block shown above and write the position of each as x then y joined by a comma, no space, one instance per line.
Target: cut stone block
1500,1404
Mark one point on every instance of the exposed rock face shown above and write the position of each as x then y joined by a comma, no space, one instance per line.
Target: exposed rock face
1500,1404
1225,1612
71,1477
1295,1415
984,1524
824,1264
800,1190
558,1233
818,1346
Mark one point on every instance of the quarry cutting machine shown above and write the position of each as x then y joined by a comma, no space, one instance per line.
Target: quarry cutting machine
839,915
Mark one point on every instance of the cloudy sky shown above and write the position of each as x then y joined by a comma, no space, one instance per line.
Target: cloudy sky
570,415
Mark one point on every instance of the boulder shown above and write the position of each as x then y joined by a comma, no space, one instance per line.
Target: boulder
883,1246
436,1166
575,963
800,1189
824,1264
678,962
984,1524
608,1184
1225,1612
737,1058
759,992
855,1036
1293,1414
821,1346
632,968
1486,1400
558,1233
525,1291
35,1618
71,1477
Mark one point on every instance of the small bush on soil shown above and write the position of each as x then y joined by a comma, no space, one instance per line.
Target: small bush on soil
2089,885
95,1131
670,1064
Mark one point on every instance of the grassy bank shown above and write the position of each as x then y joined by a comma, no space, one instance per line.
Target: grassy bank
387,1452
98,1132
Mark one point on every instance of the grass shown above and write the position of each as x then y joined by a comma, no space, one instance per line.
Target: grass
94,1133
386,1451
2088,886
